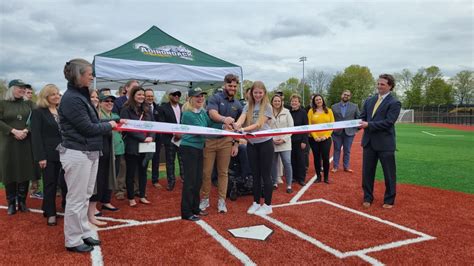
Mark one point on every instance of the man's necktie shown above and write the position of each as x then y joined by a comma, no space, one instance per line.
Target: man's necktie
379,100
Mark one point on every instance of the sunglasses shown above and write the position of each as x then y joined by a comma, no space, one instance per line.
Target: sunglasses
176,94
108,101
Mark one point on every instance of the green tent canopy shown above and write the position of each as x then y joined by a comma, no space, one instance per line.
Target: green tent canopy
158,58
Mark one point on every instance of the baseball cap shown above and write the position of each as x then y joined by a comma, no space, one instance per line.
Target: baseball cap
196,92
18,83
103,96
279,92
173,91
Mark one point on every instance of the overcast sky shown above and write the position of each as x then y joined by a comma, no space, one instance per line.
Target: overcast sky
266,38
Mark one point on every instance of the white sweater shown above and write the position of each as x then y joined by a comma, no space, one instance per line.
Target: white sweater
282,120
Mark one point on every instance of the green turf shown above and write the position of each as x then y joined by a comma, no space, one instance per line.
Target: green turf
443,161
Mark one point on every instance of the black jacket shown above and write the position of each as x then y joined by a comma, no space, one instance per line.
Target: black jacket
45,135
132,138
300,118
167,115
80,126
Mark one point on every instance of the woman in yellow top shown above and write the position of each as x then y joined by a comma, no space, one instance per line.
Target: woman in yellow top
320,142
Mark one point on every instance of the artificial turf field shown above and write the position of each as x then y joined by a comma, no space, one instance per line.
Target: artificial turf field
431,222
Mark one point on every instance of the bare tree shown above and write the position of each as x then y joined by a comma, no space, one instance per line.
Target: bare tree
319,81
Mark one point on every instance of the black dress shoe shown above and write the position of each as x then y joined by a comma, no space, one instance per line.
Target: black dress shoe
51,221
289,190
302,183
91,241
202,213
192,218
11,209
170,186
81,248
114,209
22,207
326,181
318,180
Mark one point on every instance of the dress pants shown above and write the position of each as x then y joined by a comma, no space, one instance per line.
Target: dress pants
170,153
345,142
50,184
298,161
369,166
261,160
135,162
80,173
193,161
216,151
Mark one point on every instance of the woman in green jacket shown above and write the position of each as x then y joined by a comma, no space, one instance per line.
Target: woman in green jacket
16,165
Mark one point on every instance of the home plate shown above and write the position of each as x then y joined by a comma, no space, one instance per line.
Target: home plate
258,232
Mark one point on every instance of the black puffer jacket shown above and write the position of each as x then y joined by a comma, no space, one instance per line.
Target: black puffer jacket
80,126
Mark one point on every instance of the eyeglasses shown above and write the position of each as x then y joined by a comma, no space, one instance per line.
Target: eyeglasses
108,101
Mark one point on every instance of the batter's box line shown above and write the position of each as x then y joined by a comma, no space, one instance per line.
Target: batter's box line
359,253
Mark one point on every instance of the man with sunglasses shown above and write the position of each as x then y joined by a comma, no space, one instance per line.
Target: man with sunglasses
170,112
342,138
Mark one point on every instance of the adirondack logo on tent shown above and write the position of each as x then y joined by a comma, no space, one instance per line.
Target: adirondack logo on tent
165,51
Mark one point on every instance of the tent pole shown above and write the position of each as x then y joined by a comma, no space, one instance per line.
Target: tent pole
241,84
95,83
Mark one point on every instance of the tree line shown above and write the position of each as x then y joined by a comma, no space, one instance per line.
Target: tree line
428,86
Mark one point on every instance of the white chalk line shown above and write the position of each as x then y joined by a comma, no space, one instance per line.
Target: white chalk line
428,133
306,187
226,243
359,253
96,254
138,223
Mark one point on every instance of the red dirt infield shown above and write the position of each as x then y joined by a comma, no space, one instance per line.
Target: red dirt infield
331,228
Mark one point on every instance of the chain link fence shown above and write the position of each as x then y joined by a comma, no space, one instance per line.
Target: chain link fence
447,114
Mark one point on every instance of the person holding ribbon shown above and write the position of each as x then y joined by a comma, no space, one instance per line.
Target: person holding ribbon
192,150
79,152
256,116
320,142
379,114
136,109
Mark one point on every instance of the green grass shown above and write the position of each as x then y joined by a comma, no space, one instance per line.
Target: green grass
444,161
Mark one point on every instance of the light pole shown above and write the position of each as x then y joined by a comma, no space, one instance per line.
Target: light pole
303,59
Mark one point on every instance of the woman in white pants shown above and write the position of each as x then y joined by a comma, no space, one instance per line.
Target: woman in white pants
79,151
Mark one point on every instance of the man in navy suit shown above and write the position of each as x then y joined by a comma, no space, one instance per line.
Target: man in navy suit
344,110
379,115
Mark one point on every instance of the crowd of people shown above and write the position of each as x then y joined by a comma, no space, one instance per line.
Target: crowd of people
71,143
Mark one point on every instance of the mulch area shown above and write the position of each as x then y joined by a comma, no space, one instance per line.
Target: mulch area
446,215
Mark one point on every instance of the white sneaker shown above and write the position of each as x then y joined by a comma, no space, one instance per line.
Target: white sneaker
204,204
264,210
255,206
221,206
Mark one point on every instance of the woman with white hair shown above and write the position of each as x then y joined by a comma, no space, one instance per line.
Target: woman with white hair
79,151
16,165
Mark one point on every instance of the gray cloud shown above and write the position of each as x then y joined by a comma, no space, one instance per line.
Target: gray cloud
295,27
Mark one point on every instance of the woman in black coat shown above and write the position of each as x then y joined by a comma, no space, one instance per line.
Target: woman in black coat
136,109
46,137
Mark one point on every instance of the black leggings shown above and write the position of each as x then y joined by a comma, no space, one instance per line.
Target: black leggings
193,161
51,178
104,193
260,157
321,152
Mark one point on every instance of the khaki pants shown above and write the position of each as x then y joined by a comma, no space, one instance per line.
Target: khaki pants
216,150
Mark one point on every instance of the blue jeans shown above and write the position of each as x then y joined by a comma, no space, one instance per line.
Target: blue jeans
345,142
286,160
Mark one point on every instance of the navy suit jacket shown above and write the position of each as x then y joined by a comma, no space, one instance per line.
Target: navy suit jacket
380,134
118,104
352,112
